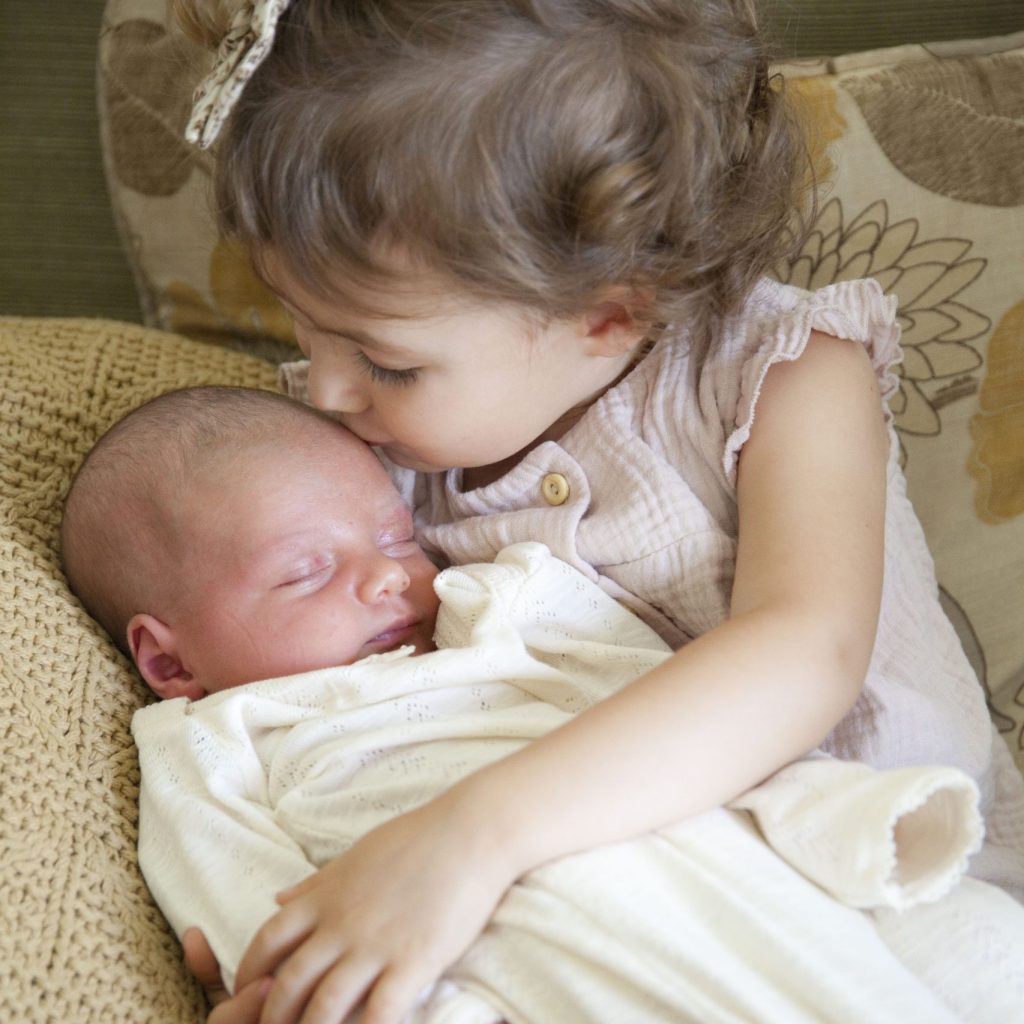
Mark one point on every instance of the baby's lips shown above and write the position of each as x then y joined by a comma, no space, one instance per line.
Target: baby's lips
397,631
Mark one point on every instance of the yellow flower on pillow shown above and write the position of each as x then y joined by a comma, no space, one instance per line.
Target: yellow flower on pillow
243,313
814,100
997,458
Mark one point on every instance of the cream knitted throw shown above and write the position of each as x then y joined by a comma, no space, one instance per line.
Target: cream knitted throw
80,939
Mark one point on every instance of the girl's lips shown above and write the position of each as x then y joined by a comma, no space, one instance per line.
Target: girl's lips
361,432
347,422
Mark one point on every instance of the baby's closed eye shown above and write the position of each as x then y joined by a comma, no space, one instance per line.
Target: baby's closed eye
308,574
399,548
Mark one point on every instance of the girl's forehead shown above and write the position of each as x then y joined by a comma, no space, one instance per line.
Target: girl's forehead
399,288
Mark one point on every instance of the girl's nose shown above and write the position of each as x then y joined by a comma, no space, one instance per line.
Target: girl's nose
334,388
384,578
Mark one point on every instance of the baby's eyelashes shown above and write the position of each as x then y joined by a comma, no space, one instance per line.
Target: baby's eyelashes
308,575
399,548
397,538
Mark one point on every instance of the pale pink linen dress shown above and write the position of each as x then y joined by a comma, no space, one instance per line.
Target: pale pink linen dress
651,515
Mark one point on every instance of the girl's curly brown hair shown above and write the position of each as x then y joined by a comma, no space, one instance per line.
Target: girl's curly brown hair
532,151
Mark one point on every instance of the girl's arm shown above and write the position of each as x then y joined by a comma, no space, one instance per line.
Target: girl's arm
769,684
717,717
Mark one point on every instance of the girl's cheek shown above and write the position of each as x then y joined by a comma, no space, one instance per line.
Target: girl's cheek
300,339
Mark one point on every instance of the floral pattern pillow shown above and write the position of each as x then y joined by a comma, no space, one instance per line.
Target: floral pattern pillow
190,281
921,151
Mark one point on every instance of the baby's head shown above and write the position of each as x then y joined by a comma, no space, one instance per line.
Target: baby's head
224,535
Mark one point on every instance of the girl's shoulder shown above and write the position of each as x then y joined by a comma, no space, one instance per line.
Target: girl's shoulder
777,320
775,323
780,320
697,414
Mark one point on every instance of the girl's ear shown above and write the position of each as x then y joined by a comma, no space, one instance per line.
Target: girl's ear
155,651
612,327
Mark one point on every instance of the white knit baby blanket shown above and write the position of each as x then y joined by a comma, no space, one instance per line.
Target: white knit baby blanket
738,915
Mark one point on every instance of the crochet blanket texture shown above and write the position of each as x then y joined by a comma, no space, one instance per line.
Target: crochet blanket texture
80,938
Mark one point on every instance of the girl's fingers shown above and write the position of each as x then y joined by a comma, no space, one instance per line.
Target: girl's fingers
395,994
287,895
340,990
245,1006
274,942
300,976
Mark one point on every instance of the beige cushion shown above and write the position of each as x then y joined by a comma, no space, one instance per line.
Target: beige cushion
80,941
816,27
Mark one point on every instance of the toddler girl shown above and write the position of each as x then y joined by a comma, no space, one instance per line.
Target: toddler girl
524,243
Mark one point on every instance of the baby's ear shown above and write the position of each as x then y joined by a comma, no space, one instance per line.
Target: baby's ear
155,651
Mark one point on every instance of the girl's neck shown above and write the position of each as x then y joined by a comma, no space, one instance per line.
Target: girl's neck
480,476
474,477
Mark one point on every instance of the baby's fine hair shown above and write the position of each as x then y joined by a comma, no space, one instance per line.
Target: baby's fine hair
532,151
121,527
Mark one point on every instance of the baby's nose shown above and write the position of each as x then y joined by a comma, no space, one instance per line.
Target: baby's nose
385,578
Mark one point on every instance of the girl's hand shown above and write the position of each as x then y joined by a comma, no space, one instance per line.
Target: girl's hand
243,1008
381,922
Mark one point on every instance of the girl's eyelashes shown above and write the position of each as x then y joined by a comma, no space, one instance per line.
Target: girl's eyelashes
384,375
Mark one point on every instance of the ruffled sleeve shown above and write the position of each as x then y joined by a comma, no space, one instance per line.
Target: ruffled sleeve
858,311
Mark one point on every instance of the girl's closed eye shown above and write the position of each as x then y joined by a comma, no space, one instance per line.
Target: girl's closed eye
385,375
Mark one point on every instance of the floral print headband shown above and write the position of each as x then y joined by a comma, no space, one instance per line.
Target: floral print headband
240,53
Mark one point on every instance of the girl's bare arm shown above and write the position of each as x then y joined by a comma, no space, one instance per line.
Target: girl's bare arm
769,684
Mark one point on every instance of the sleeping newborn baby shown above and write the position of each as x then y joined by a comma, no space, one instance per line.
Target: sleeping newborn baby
254,560
225,535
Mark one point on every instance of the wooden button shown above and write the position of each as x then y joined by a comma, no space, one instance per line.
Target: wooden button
555,489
